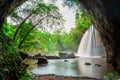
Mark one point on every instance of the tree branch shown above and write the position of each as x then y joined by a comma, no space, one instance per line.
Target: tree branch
30,31
21,26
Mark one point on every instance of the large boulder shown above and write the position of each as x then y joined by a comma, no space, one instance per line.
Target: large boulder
42,61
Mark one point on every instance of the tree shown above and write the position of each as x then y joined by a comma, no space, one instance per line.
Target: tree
11,66
42,16
9,60
6,7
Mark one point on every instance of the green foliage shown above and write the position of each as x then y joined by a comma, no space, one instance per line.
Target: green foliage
45,42
69,42
41,41
70,3
26,76
38,40
113,75
9,30
40,15
11,66
82,24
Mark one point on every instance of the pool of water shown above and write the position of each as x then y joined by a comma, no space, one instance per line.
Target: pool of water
72,67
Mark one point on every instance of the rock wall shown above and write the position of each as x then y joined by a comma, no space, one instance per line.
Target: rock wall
6,7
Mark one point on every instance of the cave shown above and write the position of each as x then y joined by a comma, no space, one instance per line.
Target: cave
105,15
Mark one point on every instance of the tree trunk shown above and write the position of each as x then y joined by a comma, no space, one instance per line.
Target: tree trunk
19,27
105,15
6,7
21,42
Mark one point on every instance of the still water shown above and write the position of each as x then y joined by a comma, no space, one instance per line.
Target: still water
72,67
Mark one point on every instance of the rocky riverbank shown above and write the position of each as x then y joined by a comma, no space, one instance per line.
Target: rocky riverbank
54,77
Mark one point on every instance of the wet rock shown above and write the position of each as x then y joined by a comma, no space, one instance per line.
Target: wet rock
65,60
42,60
87,63
61,54
72,55
97,65
67,55
52,57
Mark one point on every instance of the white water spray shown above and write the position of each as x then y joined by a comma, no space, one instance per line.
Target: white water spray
91,45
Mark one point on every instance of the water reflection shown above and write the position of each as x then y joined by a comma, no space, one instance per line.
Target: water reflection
72,67
97,68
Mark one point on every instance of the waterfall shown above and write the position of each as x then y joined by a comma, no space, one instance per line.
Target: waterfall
91,45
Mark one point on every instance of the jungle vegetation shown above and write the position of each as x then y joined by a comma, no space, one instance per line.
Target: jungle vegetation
36,27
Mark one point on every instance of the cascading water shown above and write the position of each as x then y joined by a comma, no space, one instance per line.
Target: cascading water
91,45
